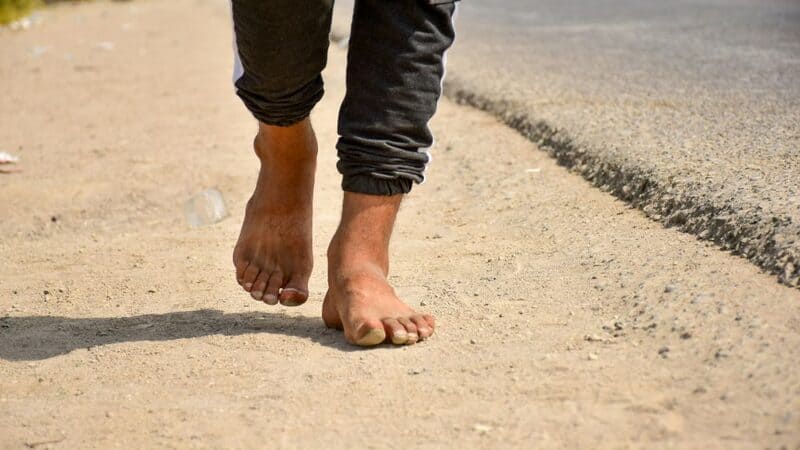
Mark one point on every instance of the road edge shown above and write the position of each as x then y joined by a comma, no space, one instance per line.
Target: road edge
768,242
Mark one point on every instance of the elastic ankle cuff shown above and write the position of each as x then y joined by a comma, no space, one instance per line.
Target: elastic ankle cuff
370,185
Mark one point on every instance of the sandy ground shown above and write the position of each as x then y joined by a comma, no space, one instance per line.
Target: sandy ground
688,109
566,319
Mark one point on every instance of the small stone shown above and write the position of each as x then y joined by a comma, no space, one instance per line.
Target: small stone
473,341
686,335
46,292
699,390
416,371
482,428
663,351
592,357
669,288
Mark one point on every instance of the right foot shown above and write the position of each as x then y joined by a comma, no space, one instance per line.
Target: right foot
273,256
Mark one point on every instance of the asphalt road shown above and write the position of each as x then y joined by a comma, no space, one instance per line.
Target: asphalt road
688,109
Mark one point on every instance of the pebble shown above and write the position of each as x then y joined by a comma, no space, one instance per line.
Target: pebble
686,335
482,428
473,341
416,371
592,357
663,351
105,45
669,288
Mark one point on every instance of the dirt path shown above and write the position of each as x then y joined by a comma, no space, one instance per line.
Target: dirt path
566,318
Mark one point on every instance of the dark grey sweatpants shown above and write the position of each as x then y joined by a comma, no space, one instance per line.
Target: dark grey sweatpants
395,67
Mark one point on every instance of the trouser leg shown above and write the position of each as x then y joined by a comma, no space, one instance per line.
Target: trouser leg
394,73
281,48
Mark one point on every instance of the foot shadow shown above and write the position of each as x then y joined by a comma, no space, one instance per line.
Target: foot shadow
29,338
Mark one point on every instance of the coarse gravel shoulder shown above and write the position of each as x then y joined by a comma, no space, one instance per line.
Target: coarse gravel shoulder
689,110
566,318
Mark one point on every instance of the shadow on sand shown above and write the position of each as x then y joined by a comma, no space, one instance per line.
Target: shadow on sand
30,338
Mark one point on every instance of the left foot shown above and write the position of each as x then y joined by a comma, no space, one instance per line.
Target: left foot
360,300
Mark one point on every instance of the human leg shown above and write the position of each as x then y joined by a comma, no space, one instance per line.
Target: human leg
395,68
281,49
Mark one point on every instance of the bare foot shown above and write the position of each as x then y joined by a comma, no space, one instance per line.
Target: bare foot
273,256
360,300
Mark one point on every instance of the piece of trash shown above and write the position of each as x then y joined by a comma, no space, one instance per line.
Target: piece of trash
38,51
205,208
105,45
534,170
482,428
26,22
8,158
21,24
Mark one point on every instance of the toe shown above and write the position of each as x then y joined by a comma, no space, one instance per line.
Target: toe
241,266
411,329
368,334
250,275
397,332
423,328
259,286
295,292
273,286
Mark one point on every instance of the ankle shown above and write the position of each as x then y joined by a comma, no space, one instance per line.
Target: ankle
348,254
295,144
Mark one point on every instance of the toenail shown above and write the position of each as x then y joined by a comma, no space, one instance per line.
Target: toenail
292,302
399,338
271,299
248,285
412,337
256,295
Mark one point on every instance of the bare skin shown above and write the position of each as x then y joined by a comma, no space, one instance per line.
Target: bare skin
273,256
360,300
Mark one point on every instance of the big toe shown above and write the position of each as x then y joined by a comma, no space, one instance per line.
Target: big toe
368,334
295,292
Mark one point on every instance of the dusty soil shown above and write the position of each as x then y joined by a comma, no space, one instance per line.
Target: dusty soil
566,319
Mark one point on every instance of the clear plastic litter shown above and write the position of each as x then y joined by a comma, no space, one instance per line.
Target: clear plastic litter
205,208
8,158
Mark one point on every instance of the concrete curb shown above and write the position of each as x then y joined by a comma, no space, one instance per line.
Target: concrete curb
772,243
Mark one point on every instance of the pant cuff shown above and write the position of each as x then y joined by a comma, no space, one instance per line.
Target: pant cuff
371,185
281,109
